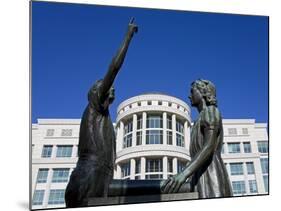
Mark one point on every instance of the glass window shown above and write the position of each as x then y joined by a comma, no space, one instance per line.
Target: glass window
247,147
250,168
179,126
222,149
128,127
238,187
159,102
153,176
38,197
139,122
170,165
125,169
42,175
139,138
47,151
56,196
180,140
169,122
60,175
264,165
236,168
233,147
64,151
149,102
154,121
66,132
138,166
181,165
253,186
127,141
265,181
154,165
232,131
245,131
154,137
263,146
170,137
50,132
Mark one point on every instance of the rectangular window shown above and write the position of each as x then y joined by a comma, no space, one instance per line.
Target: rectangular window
233,147
253,186
154,137
66,132
153,176
232,131
180,140
245,131
263,146
154,121
236,168
222,149
56,196
170,137
64,151
247,147
47,151
179,126
38,197
264,165
139,122
42,175
250,168
181,166
60,175
169,122
265,182
170,165
128,127
125,169
238,187
154,165
127,141
138,166
50,132
139,138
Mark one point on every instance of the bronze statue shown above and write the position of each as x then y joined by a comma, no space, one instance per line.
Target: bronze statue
96,149
206,172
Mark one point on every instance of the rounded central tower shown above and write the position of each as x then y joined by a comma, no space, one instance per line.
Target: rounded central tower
153,135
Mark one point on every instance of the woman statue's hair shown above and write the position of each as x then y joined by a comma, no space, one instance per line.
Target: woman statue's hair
207,89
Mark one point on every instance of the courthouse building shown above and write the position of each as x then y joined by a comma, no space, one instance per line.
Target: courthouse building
152,141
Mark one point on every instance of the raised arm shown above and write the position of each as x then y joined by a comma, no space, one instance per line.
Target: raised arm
117,61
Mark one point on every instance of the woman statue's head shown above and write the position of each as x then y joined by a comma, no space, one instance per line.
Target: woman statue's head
206,89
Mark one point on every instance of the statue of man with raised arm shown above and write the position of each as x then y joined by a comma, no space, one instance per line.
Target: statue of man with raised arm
96,149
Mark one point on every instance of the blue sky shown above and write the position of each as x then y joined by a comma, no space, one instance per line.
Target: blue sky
73,44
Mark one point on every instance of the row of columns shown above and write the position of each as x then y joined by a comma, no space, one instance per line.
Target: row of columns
143,168
120,131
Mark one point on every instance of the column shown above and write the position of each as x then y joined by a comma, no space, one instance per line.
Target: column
186,135
245,171
259,175
174,130
164,128
118,171
175,166
120,136
165,167
48,187
132,168
143,127
134,136
74,151
143,160
54,151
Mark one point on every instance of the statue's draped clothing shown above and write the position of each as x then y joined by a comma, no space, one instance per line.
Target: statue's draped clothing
211,180
96,151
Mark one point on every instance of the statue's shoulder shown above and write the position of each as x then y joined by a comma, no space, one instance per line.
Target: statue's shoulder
210,116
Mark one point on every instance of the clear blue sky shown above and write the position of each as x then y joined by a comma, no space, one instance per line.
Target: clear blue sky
73,44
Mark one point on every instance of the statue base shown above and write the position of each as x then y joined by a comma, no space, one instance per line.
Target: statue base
97,201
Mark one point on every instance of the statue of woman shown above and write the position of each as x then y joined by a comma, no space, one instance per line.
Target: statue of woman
206,173
96,149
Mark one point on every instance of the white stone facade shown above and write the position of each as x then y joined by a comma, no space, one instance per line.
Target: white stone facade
152,132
